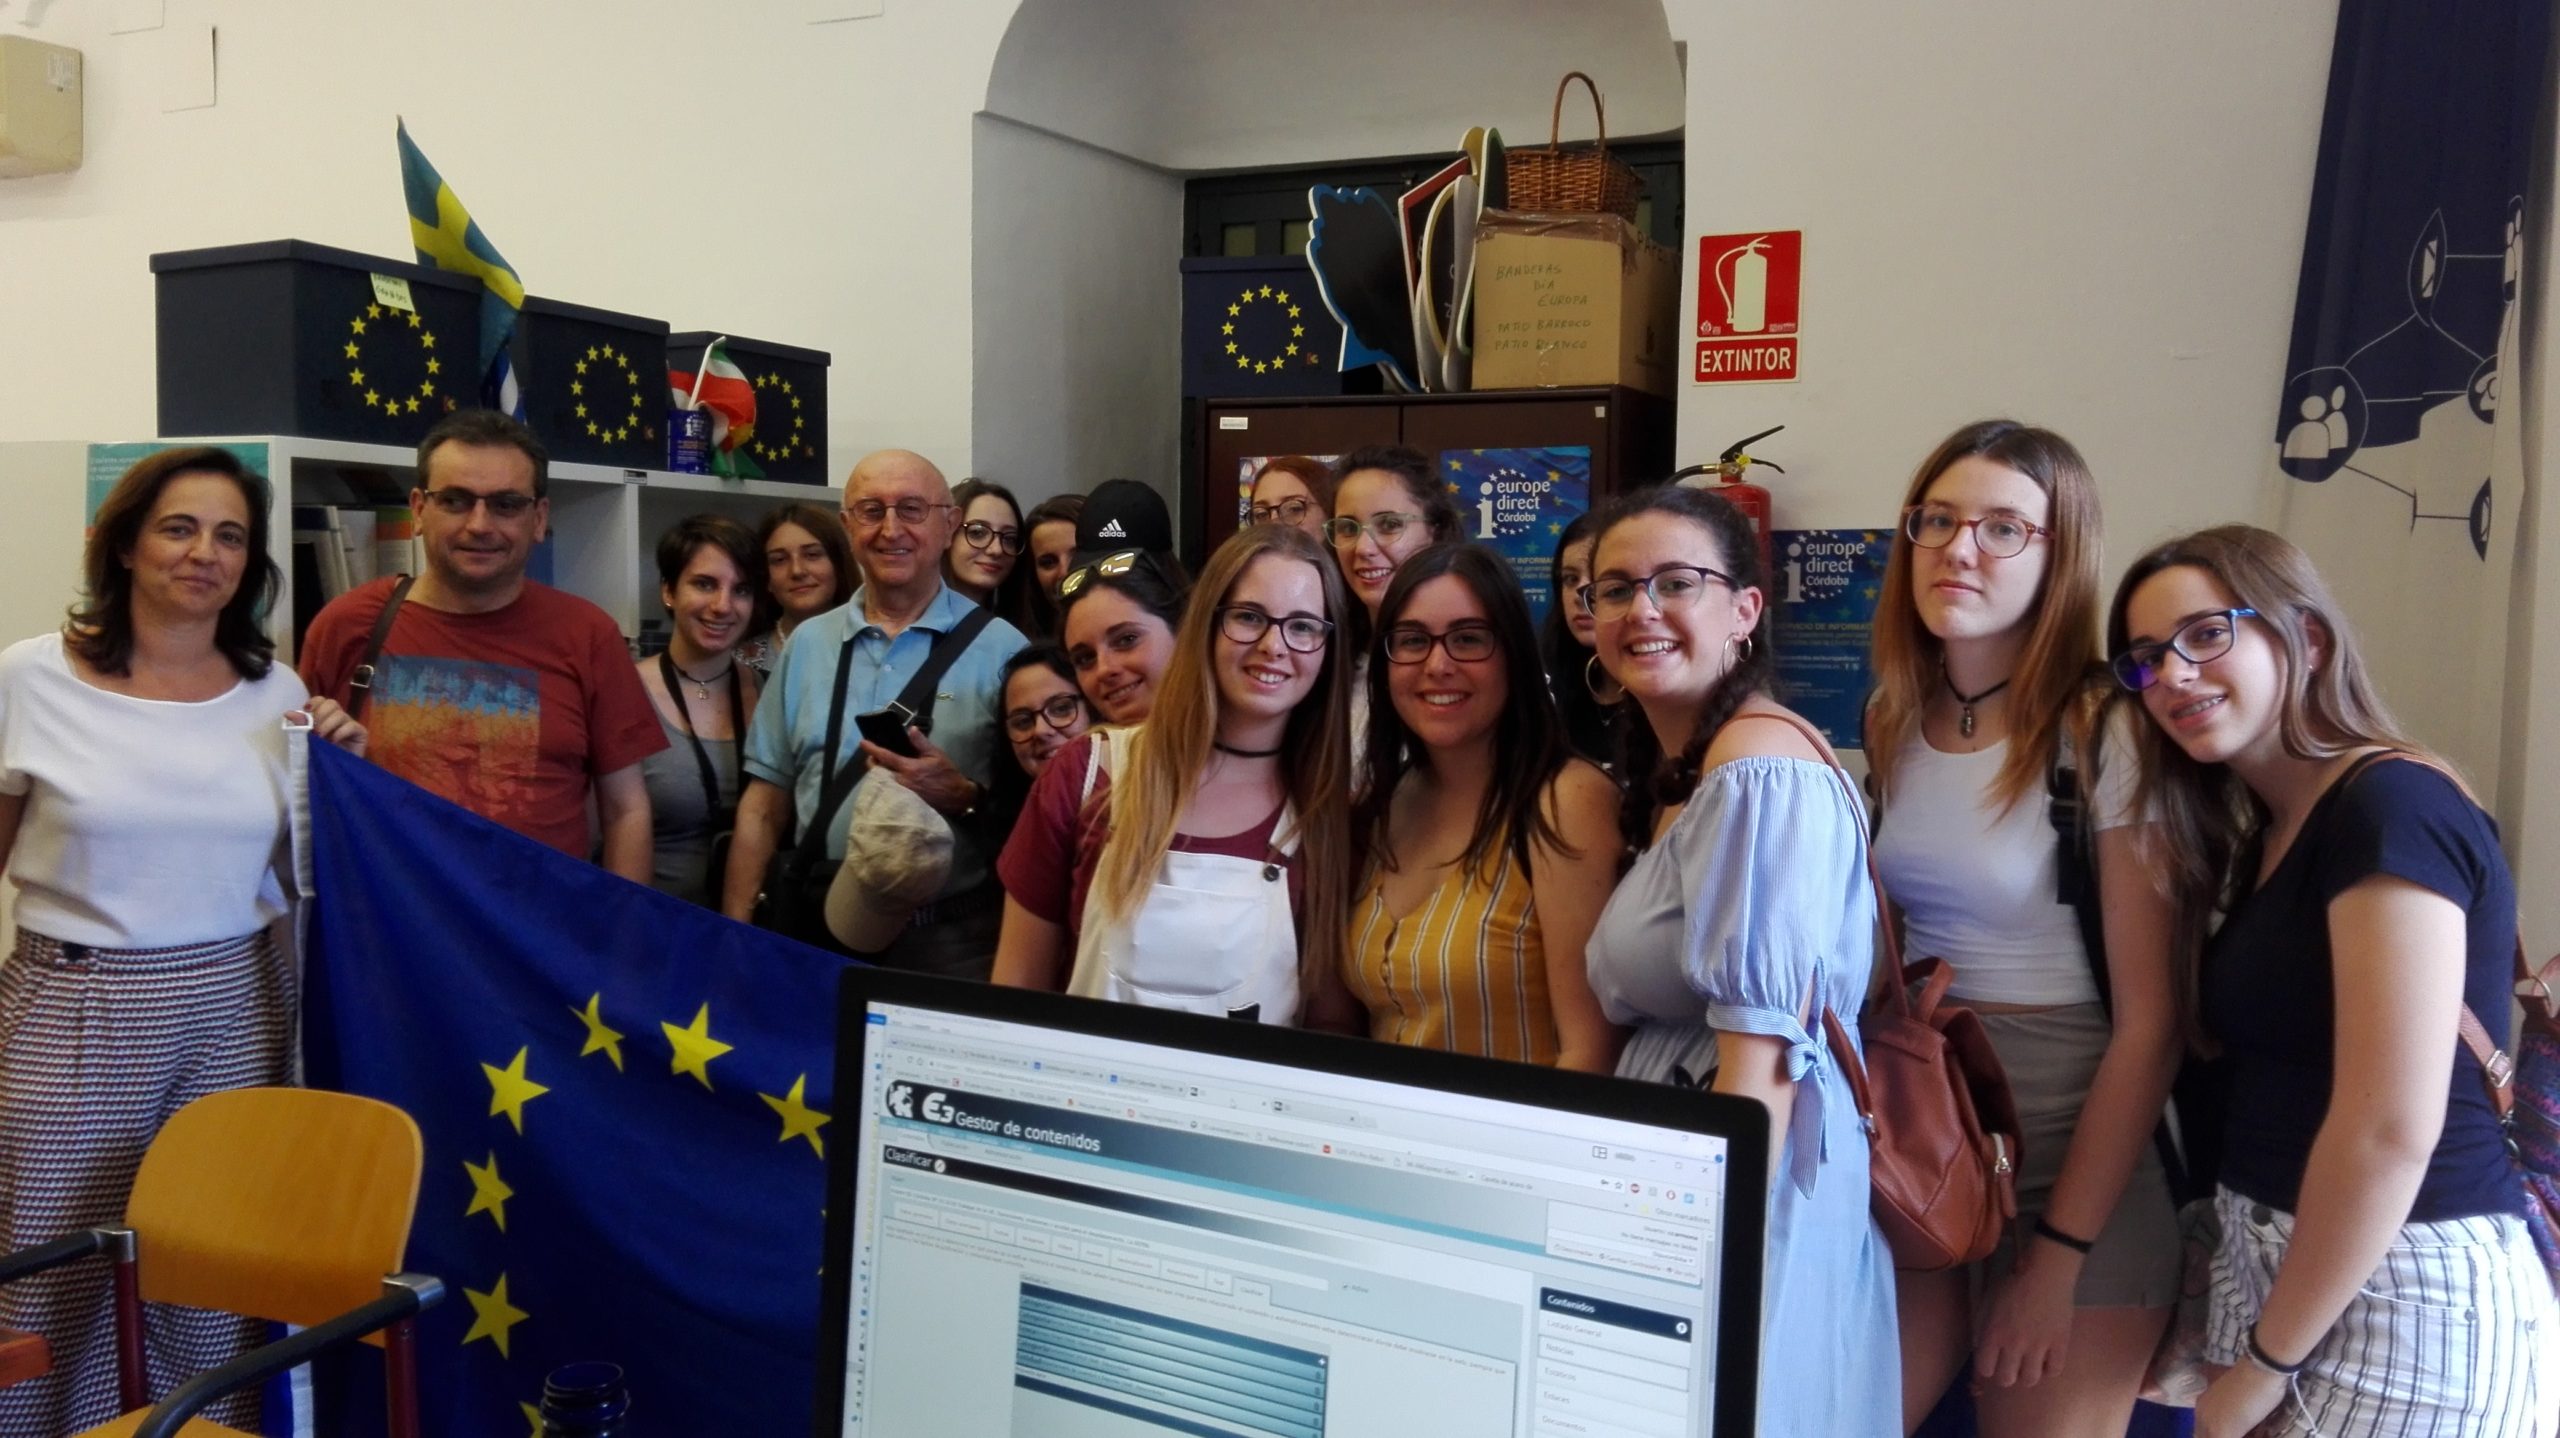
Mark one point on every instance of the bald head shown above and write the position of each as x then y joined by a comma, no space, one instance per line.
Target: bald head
903,469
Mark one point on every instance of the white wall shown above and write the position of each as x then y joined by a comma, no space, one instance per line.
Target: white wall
1077,371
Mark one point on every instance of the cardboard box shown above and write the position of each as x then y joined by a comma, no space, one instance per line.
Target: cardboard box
1573,300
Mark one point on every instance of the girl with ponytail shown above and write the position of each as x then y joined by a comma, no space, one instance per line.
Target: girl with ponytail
1744,913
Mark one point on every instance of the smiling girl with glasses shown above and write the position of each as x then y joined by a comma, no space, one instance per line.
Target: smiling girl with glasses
984,558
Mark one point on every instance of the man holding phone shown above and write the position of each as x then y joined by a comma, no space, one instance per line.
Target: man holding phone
942,743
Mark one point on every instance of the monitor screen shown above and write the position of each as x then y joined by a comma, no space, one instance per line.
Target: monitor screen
1071,1219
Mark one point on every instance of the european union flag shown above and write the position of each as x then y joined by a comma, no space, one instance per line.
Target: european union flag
625,1100
449,239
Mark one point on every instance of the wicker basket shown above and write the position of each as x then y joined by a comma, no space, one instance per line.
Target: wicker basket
1577,179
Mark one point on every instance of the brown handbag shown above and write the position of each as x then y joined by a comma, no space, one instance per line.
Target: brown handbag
1942,1128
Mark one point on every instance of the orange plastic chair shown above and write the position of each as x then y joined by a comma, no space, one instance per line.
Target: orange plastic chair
291,1205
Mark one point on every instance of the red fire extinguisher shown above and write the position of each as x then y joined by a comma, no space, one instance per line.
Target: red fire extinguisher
1751,499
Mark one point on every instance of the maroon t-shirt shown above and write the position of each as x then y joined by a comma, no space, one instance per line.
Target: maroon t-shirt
511,714
1047,866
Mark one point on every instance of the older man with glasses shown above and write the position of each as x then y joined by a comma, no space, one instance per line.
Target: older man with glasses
841,687
508,697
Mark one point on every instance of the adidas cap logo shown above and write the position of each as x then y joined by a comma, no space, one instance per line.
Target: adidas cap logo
1112,531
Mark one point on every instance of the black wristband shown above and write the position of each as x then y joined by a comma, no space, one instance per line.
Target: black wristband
2052,1234
2258,1355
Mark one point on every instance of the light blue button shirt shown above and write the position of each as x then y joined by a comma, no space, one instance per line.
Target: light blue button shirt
786,740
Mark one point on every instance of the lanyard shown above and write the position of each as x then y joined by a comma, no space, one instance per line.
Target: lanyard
684,722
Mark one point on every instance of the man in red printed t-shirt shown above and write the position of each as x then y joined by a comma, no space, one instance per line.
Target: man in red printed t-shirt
508,697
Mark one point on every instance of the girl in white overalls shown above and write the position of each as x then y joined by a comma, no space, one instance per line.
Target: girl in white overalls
1201,861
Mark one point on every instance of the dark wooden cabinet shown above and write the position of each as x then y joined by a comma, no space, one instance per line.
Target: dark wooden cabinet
1628,432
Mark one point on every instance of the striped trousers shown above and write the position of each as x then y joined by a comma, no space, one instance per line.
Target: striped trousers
2456,1335
98,1047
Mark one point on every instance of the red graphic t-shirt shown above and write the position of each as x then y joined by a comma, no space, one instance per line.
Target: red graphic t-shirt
511,714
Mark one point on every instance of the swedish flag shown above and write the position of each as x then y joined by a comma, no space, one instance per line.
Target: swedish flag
448,238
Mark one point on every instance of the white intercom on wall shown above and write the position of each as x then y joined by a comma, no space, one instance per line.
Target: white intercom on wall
39,107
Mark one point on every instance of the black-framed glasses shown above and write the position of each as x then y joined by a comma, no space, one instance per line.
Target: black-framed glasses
980,534
506,504
1999,535
2200,640
872,513
1470,642
1060,710
1673,586
1109,566
1287,511
1387,525
1246,624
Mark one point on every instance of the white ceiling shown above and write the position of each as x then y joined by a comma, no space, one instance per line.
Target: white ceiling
1198,85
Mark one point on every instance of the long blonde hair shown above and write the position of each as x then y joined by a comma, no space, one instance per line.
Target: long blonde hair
2053,685
1165,758
2211,823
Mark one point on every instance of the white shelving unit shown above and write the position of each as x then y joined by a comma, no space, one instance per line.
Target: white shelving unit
605,521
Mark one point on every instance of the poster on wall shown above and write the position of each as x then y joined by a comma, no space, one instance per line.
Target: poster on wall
1749,288
1827,583
1250,467
1518,501
108,462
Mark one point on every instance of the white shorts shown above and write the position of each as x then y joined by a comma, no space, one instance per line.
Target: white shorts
2457,1332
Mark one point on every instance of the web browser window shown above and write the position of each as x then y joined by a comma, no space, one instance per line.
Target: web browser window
1073,1236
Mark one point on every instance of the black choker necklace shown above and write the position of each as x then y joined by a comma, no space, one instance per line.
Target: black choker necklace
1964,721
1243,753
702,686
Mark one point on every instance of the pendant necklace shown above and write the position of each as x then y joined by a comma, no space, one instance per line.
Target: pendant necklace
1964,720
702,686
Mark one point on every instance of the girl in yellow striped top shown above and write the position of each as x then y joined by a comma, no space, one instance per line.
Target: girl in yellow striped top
1490,848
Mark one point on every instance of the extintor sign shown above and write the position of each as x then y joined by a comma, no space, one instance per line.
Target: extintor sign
1749,285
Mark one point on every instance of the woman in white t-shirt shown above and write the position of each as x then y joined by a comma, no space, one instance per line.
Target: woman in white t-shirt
1986,642
143,803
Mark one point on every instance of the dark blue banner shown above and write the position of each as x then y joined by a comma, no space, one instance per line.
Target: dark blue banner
625,1100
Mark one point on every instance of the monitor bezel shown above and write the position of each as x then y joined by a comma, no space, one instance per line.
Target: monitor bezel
1743,1123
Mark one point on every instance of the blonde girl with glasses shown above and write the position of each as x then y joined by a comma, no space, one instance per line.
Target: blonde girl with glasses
1201,861
1745,912
1988,695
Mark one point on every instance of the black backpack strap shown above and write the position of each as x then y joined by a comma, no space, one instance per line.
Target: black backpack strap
836,785
360,679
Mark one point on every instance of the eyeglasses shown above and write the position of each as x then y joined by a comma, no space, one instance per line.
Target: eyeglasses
2200,640
2000,536
979,533
507,504
1673,586
1109,566
1061,710
1466,643
1287,511
1345,530
1246,625
871,513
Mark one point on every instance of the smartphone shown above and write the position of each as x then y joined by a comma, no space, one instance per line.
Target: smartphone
888,729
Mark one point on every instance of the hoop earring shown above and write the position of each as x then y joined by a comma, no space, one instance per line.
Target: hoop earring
1593,677
1747,647
1738,649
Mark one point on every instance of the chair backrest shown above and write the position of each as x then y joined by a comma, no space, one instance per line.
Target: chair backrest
284,1204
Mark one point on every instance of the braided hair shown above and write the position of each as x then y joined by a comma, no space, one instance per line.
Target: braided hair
1656,781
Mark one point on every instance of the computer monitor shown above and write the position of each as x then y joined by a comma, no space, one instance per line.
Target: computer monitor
1060,1218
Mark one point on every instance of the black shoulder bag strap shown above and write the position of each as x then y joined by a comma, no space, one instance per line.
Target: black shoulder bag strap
836,785
360,680
737,731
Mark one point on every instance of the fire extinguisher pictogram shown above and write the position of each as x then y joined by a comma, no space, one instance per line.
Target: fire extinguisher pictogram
1751,499
1746,299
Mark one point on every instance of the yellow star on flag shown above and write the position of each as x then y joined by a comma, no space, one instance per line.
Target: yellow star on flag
413,404
493,1316
510,1090
1231,346
591,429
1266,292
695,1047
786,384
373,312
1231,309
434,366
1228,328
1297,332
1293,349
356,325
582,411
582,366
591,351
1260,366
533,1416
798,1119
795,401
1282,297
355,376
427,342
354,350
1242,362
371,396
577,386
600,1039
413,319
489,1193
1293,312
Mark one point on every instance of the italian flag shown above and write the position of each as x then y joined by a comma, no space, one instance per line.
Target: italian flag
725,392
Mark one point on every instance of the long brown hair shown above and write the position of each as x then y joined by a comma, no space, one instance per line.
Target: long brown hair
2211,823
1166,757
101,624
2053,682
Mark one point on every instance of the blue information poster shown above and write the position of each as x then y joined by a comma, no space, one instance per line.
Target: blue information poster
1518,502
1827,583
